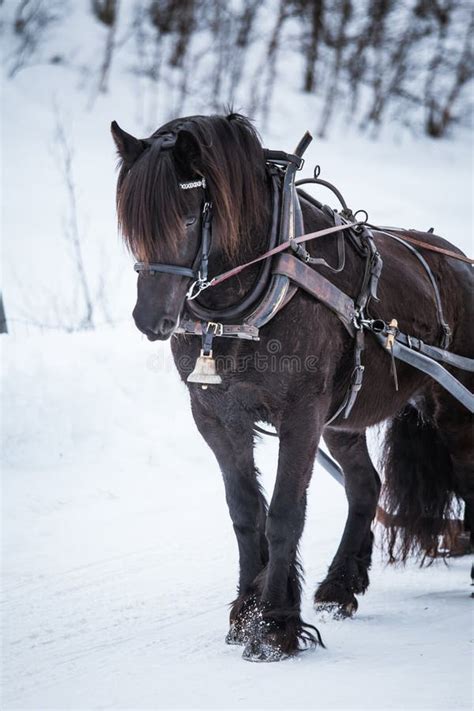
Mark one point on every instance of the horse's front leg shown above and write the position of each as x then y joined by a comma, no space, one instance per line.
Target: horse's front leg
233,447
276,629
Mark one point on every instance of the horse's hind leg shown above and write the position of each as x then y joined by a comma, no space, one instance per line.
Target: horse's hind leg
247,507
456,431
348,572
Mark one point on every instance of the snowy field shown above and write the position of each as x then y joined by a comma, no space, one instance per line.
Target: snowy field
118,556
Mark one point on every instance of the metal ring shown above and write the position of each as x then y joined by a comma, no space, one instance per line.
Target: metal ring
196,288
378,326
317,171
364,222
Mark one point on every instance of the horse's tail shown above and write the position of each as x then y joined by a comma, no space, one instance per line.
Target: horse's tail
417,495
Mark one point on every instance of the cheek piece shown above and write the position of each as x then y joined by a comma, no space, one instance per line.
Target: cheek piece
200,268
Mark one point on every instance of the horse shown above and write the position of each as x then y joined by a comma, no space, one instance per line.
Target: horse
164,182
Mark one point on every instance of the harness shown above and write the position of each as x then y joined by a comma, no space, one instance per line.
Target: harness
291,269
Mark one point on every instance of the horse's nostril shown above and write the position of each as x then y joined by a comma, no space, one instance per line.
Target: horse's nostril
166,325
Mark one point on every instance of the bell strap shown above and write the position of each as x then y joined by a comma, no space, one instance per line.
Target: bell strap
197,328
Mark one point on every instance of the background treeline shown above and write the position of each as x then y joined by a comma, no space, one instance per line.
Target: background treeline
365,61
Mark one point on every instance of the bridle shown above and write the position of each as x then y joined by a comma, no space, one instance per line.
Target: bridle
200,269
281,168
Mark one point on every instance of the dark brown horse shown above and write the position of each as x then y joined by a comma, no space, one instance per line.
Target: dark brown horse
296,375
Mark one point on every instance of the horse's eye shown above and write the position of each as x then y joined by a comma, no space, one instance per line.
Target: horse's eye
190,221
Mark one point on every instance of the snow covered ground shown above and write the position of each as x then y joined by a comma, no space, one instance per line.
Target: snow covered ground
118,557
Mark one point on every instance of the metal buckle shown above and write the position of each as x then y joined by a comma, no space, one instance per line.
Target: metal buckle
359,321
392,331
357,377
218,328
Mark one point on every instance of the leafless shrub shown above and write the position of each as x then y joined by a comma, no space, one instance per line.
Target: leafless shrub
373,60
73,234
106,11
32,22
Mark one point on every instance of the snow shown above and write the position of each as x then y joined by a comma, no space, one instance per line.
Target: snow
118,556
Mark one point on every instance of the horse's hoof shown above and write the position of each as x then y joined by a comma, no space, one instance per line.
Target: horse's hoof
346,610
235,635
257,650
336,610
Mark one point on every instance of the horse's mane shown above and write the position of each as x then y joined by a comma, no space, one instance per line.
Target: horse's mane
227,151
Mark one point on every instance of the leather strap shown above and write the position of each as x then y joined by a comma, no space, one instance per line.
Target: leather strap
439,354
426,245
165,268
432,368
280,157
446,329
319,287
196,328
239,310
281,247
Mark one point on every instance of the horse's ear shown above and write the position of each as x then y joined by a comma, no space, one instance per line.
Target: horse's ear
129,147
186,151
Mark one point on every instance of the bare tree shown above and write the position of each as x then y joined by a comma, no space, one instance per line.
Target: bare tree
374,59
31,23
245,23
313,11
393,68
441,101
73,234
368,43
107,12
266,72
3,318
338,43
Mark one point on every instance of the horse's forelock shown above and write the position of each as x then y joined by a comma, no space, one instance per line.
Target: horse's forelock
228,154
232,161
150,205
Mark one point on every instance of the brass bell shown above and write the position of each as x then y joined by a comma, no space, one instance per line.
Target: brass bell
205,371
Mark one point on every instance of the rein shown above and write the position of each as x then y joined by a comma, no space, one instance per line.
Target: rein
321,233
425,245
280,248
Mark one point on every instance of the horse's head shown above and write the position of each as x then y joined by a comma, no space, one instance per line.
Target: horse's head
160,215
